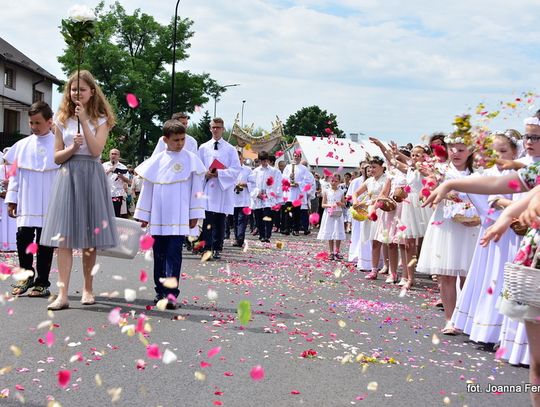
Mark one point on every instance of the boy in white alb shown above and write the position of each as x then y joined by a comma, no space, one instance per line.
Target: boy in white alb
28,197
242,200
170,203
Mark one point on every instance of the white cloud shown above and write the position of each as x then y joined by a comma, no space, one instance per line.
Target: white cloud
391,68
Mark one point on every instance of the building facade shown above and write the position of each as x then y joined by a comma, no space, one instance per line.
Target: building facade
23,83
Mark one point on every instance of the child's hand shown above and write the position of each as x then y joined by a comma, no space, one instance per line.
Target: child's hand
437,195
495,231
78,141
80,112
193,223
531,216
12,210
143,223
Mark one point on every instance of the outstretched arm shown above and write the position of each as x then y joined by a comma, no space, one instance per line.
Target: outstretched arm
512,212
507,184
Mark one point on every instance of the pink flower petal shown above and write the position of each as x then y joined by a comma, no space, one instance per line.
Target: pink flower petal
327,172
153,352
514,185
307,188
143,277
257,373
114,316
49,339
297,202
490,291
204,364
295,392
500,353
32,248
314,218
146,242
132,100
213,352
246,210
64,376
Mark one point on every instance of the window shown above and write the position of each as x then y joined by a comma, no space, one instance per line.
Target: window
9,78
38,96
11,122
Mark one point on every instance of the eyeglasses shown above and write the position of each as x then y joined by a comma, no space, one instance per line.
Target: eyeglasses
531,137
216,127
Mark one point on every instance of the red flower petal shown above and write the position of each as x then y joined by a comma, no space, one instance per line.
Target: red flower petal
64,376
132,100
257,373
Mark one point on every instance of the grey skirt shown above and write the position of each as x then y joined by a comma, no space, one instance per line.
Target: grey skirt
80,213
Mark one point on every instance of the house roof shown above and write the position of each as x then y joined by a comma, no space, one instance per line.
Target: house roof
12,55
334,152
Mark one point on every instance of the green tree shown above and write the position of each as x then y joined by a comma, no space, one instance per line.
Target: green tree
131,54
204,126
311,121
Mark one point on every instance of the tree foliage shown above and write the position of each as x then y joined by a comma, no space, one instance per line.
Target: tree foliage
131,53
311,121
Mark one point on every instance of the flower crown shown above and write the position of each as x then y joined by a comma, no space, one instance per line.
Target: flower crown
534,121
462,131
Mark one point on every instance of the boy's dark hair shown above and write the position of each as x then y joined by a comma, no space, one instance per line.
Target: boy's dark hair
263,155
272,159
218,120
180,115
171,127
376,160
41,107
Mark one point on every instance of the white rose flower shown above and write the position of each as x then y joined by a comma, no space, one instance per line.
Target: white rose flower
81,13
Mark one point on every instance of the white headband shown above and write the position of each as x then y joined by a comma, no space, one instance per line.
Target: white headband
534,121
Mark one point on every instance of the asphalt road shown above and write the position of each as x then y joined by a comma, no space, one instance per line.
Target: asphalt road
298,303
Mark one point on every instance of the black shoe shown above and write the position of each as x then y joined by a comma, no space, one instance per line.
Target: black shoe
236,244
171,305
286,233
266,240
189,245
307,232
295,233
216,255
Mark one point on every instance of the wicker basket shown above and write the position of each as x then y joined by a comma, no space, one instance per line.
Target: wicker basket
386,204
129,233
467,220
399,195
359,214
518,228
522,284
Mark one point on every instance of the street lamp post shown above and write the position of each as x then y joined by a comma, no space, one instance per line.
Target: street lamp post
242,115
218,93
173,58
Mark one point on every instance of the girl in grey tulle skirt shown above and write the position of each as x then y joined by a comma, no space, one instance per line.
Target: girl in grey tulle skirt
80,213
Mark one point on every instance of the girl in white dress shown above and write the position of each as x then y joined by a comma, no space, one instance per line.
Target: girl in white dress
475,313
332,226
528,211
373,187
448,244
354,247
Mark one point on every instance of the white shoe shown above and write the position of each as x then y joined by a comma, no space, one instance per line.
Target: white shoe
390,280
403,281
384,270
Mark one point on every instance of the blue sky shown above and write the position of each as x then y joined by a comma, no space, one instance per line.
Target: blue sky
393,69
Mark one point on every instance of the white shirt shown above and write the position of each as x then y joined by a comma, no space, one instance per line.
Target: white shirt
300,178
263,187
219,191
115,183
242,199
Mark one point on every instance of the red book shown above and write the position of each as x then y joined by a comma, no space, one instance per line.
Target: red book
216,164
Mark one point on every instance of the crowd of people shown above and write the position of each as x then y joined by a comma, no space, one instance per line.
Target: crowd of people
417,209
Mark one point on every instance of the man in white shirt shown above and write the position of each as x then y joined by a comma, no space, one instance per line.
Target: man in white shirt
242,200
117,174
222,164
296,176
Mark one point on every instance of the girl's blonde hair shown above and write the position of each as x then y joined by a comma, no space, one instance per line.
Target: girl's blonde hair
97,106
